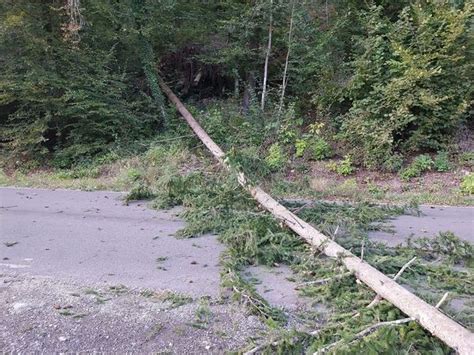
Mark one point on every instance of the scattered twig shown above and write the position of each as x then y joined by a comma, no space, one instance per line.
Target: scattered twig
307,204
374,327
261,347
442,300
10,244
274,343
404,267
257,304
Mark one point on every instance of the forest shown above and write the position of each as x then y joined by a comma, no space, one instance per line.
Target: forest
376,82
334,100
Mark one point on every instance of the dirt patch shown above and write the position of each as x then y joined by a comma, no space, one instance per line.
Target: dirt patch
431,188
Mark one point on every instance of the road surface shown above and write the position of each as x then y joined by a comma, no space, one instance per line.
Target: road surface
82,271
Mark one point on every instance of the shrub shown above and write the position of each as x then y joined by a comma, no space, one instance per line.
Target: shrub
408,91
133,174
275,158
300,146
467,184
421,164
466,159
344,167
441,162
139,192
393,164
249,160
320,149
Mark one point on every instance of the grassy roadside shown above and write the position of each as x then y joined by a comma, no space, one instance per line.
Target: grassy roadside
304,180
319,183
117,174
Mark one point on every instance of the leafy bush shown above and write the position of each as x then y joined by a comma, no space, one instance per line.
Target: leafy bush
139,192
419,165
344,167
467,184
275,158
393,163
466,159
133,174
320,149
249,160
423,162
408,91
441,162
300,146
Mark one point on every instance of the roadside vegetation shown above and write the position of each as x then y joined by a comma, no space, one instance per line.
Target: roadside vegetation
372,91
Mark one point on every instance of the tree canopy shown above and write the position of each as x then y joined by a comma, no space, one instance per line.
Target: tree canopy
385,78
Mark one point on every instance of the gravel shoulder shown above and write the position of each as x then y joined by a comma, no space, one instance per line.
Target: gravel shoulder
45,315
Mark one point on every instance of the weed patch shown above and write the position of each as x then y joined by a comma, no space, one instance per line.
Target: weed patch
174,299
467,184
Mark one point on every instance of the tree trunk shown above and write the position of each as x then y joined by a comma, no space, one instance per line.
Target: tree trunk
285,71
248,90
267,57
429,317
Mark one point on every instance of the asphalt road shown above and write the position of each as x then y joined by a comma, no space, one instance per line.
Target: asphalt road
93,237
432,221
81,271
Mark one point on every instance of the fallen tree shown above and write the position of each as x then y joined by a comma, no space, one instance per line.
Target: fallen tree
428,316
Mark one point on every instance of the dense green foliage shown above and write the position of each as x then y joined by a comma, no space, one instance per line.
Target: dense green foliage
57,95
410,89
385,78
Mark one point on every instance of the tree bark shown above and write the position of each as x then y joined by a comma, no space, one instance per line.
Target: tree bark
429,317
287,59
248,90
267,57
